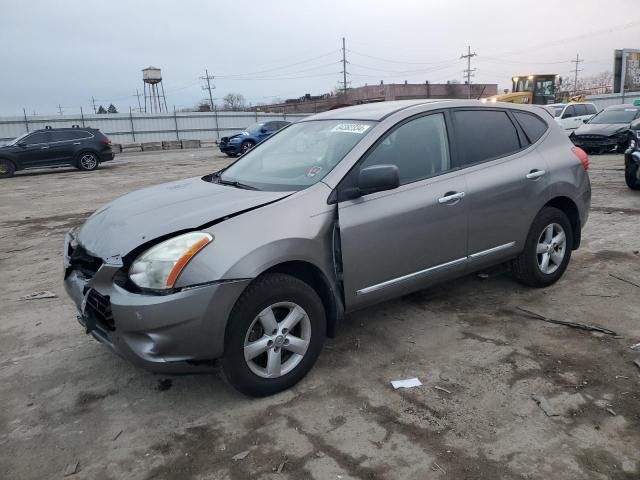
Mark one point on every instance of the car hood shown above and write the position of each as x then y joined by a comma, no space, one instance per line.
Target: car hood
601,128
144,215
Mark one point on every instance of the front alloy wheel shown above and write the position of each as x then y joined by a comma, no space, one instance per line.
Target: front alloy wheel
273,336
246,146
277,340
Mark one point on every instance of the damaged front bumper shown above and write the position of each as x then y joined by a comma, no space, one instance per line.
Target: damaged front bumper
171,333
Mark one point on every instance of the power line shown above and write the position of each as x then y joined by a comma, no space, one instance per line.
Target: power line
469,71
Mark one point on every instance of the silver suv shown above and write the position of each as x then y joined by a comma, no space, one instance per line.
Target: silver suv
255,264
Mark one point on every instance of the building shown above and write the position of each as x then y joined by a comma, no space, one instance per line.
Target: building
381,93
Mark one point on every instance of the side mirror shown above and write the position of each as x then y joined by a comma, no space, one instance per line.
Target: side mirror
264,130
378,178
635,125
586,120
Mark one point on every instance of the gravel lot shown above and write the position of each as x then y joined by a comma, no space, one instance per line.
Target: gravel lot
69,404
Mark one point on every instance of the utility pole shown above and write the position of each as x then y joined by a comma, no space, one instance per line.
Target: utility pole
469,71
344,67
577,61
208,87
93,102
207,78
139,104
60,109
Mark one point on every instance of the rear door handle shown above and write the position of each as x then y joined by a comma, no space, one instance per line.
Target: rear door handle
44,148
451,197
533,174
76,143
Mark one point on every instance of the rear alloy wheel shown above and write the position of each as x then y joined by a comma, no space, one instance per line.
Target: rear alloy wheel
274,335
547,250
7,168
88,161
632,176
246,146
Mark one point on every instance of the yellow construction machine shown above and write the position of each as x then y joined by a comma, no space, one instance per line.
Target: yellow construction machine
539,89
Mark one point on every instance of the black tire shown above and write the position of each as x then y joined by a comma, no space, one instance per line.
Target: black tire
87,161
233,155
246,146
7,168
526,268
266,291
631,176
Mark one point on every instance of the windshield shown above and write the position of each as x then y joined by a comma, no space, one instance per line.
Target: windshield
255,128
557,111
16,140
615,116
298,156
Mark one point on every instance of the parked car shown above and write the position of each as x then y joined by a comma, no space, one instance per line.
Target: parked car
83,148
608,130
632,158
571,115
250,137
255,264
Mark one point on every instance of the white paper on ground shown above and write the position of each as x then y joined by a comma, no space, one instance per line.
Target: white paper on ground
408,383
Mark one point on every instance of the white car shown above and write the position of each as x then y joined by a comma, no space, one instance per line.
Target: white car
571,115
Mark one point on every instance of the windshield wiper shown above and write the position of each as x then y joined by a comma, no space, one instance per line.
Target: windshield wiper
237,184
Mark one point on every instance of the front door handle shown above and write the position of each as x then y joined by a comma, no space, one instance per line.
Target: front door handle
76,143
450,197
44,148
533,174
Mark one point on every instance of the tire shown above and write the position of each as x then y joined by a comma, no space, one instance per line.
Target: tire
631,175
232,155
87,161
7,168
529,267
248,325
246,146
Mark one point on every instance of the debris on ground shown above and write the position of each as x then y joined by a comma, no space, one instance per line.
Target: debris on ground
408,383
116,436
281,466
563,404
71,469
240,456
435,467
602,295
38,295
637,363
164,384
611,412
442,389
635,346
544,405
624,280
582,326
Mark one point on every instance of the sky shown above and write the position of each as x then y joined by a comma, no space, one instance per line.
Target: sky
66,52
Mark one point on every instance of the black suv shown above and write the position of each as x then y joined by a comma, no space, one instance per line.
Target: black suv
84,148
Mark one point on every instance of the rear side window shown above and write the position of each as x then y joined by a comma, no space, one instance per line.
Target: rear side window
533,126
60,136
591,109
78,134
483,135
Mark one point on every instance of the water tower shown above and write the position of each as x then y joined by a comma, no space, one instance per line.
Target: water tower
152,78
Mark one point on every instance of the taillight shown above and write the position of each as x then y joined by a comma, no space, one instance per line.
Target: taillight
106,141
582,156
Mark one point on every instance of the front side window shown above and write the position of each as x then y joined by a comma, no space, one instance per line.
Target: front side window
569,112
484,135
419,148
255,128
581,110
298,156
35,138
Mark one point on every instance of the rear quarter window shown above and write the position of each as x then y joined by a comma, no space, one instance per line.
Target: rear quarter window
484,135
534,127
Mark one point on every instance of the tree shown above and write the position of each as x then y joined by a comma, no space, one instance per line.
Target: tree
234,102
112,109
101,110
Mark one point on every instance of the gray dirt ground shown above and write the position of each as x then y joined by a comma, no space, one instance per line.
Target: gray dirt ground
66,399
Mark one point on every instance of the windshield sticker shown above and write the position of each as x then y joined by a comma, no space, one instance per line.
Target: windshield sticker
351,128
313,171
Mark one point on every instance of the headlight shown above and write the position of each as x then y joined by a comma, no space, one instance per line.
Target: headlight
73,233
235,140
160,266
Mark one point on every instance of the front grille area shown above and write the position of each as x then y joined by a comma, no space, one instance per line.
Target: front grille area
99,307
81,260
